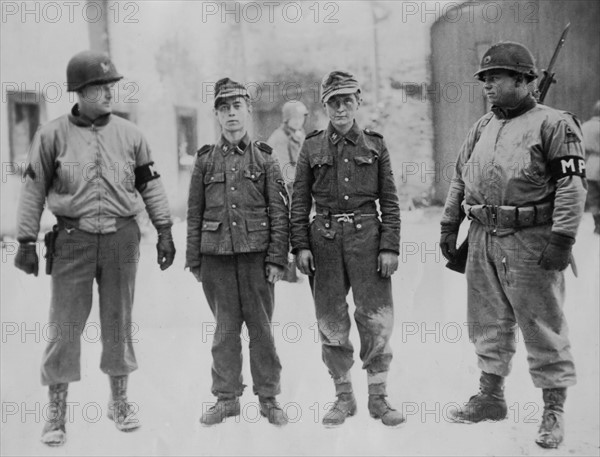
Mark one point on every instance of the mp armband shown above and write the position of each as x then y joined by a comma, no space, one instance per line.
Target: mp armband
567,166
144,174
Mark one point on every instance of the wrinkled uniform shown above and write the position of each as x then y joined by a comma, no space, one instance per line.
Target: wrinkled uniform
348,175
591,139
503,183
237,221
86,172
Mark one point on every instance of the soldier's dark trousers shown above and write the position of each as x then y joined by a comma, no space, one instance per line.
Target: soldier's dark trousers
81,257
345,256
506,288
238,292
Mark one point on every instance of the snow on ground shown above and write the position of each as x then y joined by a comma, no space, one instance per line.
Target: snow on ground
434,368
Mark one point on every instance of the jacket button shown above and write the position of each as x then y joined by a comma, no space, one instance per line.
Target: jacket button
327,225
346,179
346,197
358,226
253,176
234,223
233,206
346,160
263,224
232,188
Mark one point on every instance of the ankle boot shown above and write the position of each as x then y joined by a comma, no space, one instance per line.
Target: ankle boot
344,406
120,410
223,408
379,408
552,430
269,408
54,432
488,404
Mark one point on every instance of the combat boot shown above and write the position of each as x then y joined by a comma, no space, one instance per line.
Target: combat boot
344,406
270,409
224,407
552,430
379,408
120,410
54,432
488,404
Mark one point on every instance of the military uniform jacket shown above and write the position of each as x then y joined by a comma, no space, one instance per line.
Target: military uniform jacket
237,203
343,175
506,160
86,170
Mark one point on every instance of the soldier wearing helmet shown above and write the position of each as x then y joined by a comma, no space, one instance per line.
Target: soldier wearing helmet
353,242
95,173
520,179
287,141
591,138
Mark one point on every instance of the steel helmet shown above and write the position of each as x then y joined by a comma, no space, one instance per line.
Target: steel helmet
508,55
293,108
90,67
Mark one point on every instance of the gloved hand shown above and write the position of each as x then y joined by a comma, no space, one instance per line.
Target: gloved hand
448,242
165,248
27,258
557,252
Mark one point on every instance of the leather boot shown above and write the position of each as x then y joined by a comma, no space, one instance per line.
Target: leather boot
224,407
54,432
270,409
552,430
344,406
488,404
379,408
120,410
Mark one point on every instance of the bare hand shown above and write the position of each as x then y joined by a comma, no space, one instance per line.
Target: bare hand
273,272
387,263
305,262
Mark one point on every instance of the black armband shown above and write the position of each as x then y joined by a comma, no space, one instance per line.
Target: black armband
567,166
143,174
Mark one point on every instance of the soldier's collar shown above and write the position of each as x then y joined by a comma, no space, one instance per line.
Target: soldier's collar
81,120
240,148
509,113
351,136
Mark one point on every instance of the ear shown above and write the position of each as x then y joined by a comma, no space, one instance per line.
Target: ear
216,112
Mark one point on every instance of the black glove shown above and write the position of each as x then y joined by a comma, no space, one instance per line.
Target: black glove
557,253
27,258
165,248
448,242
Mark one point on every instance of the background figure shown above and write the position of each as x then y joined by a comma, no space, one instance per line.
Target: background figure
237,244
287,141
591,140
91,168
523,227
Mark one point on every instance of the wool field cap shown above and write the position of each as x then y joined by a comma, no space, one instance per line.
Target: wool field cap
338,82
225,88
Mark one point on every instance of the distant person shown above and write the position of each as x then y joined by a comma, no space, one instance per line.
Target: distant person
237,245
353,242
523,225
591,139
95,172
287,141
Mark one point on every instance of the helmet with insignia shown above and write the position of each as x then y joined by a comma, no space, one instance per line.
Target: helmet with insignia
226,88
338,82
508,55
89,68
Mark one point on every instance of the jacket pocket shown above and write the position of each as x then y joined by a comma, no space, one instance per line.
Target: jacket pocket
214,184
210,226
256,225
258,234
367,171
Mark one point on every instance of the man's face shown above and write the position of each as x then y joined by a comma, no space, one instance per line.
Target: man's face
96,100
501,88
341,110
233,114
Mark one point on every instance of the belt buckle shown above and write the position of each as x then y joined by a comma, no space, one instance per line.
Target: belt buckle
344,217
